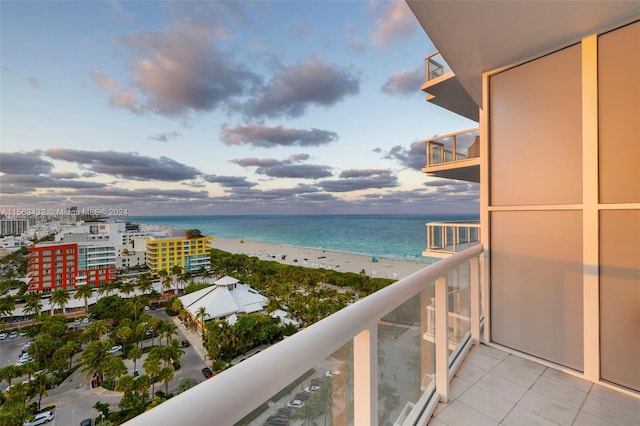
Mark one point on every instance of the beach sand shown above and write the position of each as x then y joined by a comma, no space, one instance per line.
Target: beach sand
316,258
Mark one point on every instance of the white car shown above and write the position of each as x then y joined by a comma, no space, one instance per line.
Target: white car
114,349
3,336
311,388
331,373
296,403
85,320
13,335
40,419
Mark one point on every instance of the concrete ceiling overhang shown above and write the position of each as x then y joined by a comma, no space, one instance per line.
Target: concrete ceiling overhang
479,36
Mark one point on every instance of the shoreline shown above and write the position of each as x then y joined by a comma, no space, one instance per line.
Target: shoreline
320,258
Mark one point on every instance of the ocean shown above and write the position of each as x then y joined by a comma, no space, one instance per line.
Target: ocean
392,236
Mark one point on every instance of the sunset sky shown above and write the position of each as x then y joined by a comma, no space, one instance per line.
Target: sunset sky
165,108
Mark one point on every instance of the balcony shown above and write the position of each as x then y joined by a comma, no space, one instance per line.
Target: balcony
385,359
447,238
454,156
444,89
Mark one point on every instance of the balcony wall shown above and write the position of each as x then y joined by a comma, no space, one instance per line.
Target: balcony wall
385,359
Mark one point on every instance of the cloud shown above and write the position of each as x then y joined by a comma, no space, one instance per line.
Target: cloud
230,181
23,183
64,175
126,165
120,96
18,163
414,157
295,88
394,22
178,70
404,82
33,82
263,136
289,168
355,180
355,43
165,137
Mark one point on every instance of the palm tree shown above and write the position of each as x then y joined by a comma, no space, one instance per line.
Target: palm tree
33,304
127,288
95,358
7,305
166,375
60,298
10,372
176,271
137,303
96,330
144,284
152,366
202,314
67,351
167,330
135,354
164,278
39,385
123,333
84,292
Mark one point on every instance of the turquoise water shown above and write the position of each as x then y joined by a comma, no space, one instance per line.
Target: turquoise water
394,236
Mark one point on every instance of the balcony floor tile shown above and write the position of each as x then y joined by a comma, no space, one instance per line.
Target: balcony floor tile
495,387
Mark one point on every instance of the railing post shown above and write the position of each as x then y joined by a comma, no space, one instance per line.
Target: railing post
442,339
365,377
474,283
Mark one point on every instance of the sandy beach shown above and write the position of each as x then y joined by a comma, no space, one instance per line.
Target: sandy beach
316,258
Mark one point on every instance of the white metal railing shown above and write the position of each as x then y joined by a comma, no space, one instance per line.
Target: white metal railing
446,238
361,333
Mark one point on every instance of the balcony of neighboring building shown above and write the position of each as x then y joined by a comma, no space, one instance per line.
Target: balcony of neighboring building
447,238
443,88
454,156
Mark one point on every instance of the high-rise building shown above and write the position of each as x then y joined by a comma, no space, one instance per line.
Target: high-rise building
191,254
54,266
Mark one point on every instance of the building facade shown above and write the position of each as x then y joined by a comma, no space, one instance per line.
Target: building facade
191,254
13,226
559,172
63,266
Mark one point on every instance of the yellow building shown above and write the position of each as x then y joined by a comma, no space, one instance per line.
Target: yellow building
190,254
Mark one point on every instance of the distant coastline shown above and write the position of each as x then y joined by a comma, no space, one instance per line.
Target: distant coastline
400,237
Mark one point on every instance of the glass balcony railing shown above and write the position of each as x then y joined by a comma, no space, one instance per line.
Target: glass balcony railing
455,147
385,359
435,66
451,237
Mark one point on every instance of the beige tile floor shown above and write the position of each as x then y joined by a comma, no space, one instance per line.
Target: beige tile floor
493,387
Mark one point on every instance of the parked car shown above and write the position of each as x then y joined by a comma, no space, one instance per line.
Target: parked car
3,336
311,388
296,403
86,422
136,373
40,419
13,335
331,373
207,372
114,349
185,344
85,320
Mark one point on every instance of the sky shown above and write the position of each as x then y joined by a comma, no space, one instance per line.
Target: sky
215,108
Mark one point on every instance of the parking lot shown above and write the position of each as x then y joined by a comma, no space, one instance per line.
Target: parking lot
74,398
